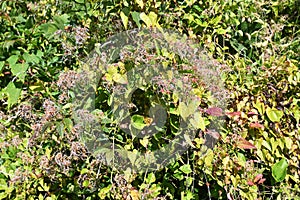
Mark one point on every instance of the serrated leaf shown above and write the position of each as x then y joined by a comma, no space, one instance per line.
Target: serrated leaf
273,114
279,170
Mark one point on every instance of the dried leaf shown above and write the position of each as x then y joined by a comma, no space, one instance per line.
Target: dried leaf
244,144
256,125
214,111
257,178
232,114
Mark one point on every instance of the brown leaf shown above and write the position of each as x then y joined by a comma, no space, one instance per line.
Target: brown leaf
244,144
256,125
214,111
250,183
232,114
261,181
252,113
214,134
257,178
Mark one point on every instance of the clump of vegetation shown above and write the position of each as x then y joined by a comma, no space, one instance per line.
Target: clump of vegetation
42,45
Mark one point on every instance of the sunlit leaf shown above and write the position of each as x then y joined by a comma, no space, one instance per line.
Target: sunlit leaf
214,111
136,18
198,121
124,16
13,94
273,114
244,144
279,170
186,169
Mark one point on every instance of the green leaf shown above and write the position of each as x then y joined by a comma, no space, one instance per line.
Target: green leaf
273,114
120,78
3,195
12,60
84,171
144,142
140,3
187,110
188,140
151,178
138,121
186,169
259,106
31,58
3,184
182,110
68,123
198,121
1,65
61,21
153,18
221,31
104,191
124,16
86,183
216,20
8,43
48,29
279,170
132,156
146,19
136,18
13,94
19,70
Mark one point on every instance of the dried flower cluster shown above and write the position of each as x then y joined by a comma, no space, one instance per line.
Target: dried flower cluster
78,37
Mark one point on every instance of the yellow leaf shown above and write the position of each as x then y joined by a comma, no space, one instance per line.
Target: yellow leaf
140,3
124,19
134,194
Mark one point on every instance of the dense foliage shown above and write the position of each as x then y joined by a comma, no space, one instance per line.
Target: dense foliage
42,43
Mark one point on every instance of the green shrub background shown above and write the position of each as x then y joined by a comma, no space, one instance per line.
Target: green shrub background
259,41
